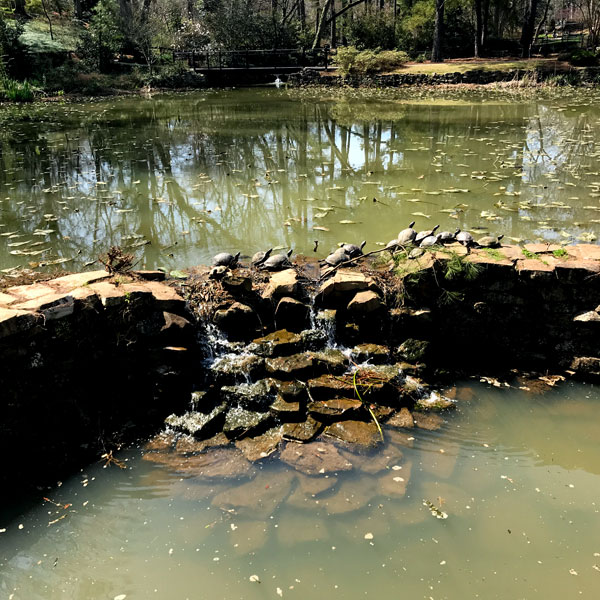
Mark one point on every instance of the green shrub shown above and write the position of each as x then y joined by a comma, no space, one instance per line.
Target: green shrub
583,58
351,61
16,91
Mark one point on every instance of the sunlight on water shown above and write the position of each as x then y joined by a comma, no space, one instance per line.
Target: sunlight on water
517,474
177,178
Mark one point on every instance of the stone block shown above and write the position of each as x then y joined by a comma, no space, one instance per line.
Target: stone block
13,321
365,302
166,298
76,280
292,314
283,283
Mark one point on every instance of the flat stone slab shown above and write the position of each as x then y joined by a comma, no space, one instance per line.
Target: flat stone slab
221,463
258,498
388,458
190,445
316,458
305,431
352,495
429,421
313,486
14,321
241,422
403,418
328,410
393,483
298,366
201,425
261,446
355,433
278,343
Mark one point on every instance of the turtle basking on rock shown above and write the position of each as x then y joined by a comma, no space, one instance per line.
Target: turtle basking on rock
225,259
260,257
278,262
490,241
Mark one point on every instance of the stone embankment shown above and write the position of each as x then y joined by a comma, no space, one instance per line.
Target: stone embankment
88,362
281,359
587,76
282,381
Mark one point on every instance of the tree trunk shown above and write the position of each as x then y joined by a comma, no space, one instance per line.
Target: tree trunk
485,22
321,20
438,32
49,20
530,10
78,9
302,14
20,9
332,24
478,27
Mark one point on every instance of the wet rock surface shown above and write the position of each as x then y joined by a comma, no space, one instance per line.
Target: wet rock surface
316,458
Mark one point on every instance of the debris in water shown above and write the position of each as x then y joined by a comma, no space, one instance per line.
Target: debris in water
368,536
438,513
254,578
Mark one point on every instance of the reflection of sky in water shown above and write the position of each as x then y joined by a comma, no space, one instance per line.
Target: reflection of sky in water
178,178
517,474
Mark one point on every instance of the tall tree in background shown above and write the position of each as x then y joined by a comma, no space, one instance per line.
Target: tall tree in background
530,8
438,32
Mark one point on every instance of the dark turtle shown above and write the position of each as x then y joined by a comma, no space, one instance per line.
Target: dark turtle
490,241
337,257
260,257
447,237
353,250
407,236
423,234
465,238
278,262
225,259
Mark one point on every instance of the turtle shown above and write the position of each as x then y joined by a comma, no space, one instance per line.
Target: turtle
490,241
465,238
353,250
407,236
416,253
225,259
423,234
278,262
430,240
260,257
447,237
337,257
392,245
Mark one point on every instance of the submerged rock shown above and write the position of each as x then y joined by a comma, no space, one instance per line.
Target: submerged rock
314,486
190,445
219,464
387,458
315,458
259,497
162,442
353,494
402,418
357,434
393,483
296,529
260,446
428,421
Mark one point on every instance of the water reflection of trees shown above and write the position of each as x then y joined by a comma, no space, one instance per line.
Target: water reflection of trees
240,171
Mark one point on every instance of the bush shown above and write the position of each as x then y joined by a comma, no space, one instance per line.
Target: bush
351,61
16,91
583,58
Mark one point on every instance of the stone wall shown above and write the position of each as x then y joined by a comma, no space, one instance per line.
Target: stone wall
587,76
88,362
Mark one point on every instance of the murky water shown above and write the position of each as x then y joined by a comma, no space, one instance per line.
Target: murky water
176,178
518,476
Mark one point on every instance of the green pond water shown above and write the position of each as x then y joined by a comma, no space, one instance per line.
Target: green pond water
517,474
177,178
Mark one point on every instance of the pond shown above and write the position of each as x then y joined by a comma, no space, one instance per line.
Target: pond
177,178
516,473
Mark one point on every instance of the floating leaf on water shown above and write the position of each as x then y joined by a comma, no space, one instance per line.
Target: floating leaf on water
178,275
320,228
420,214
346,222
